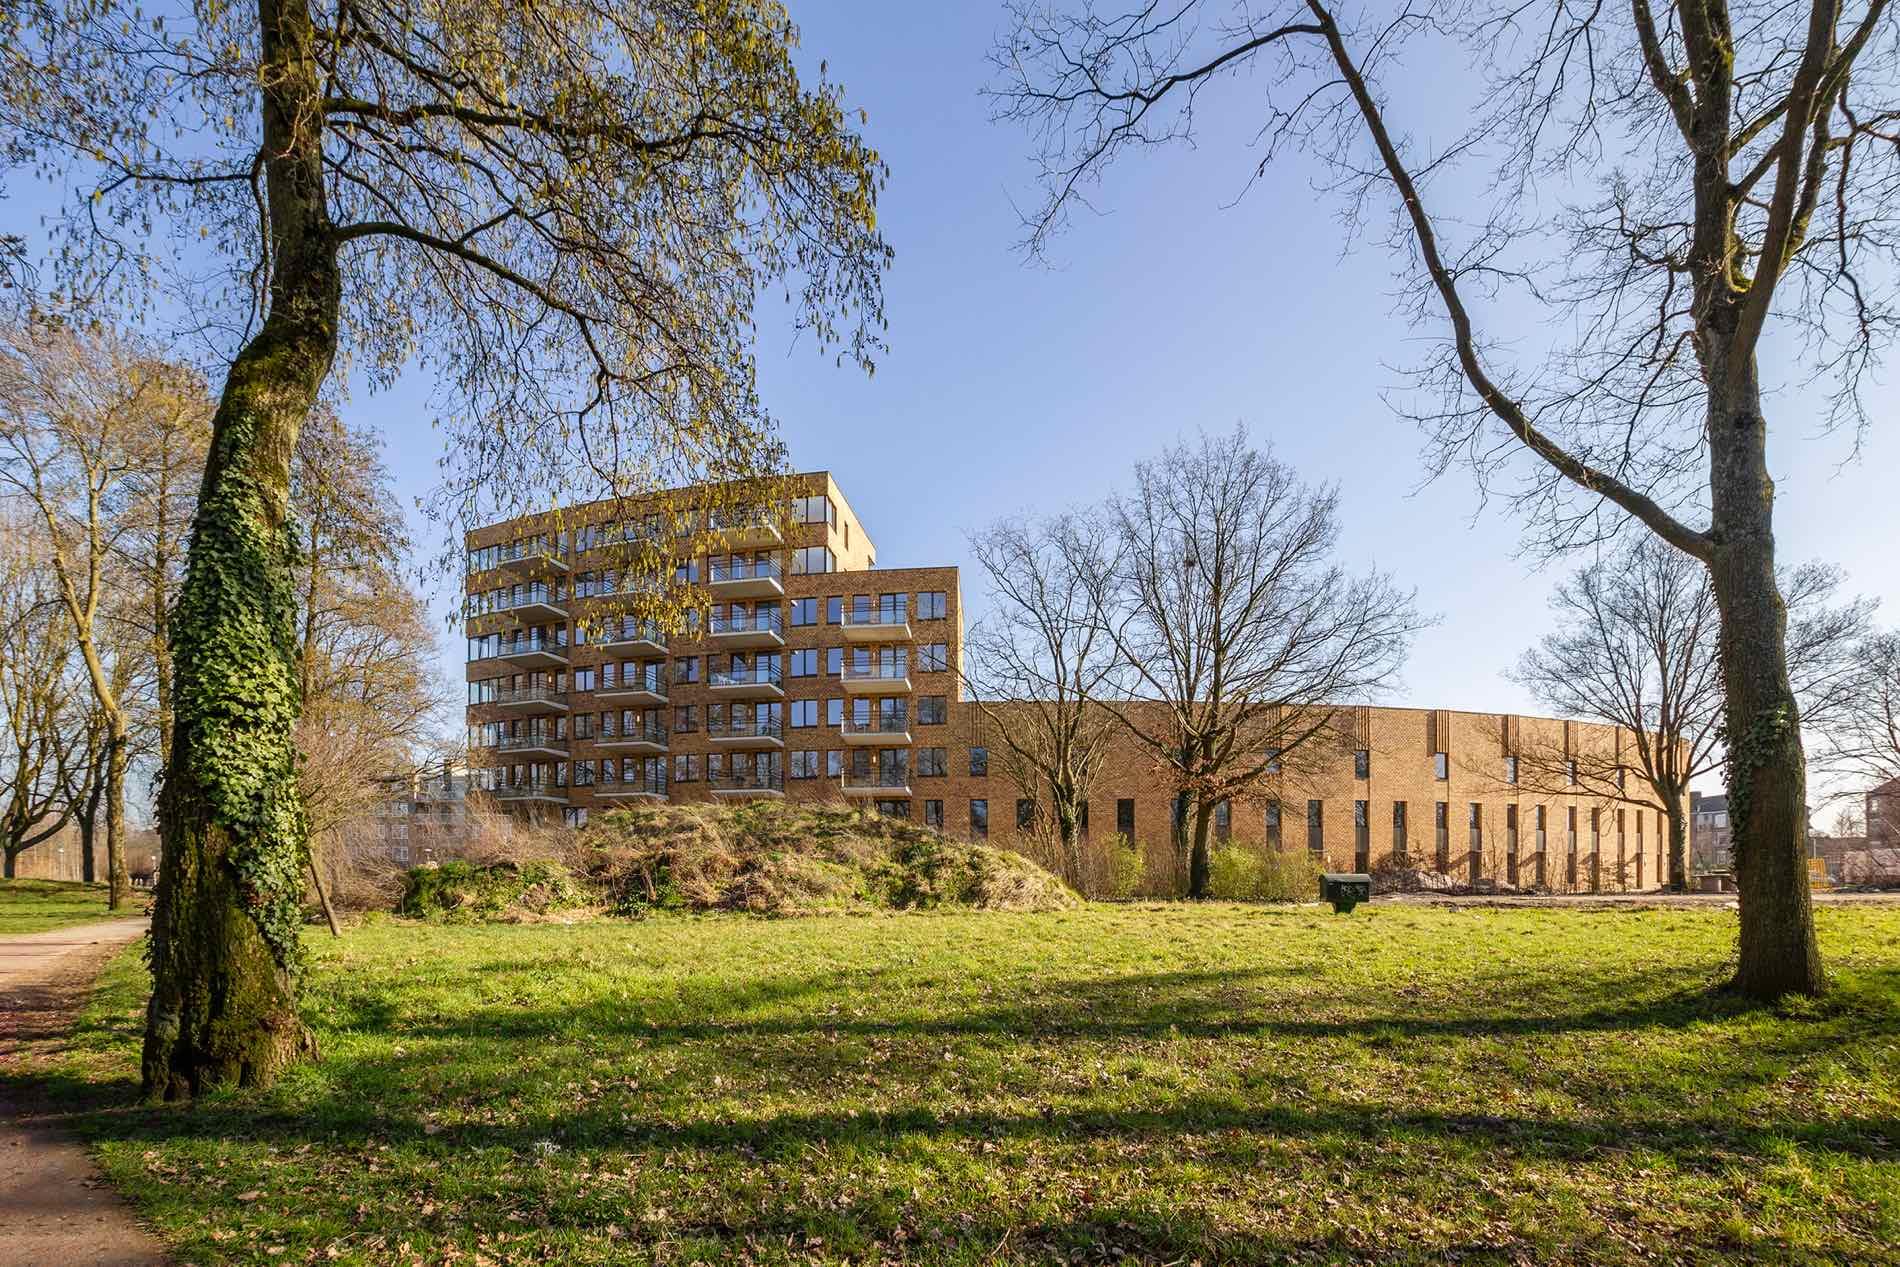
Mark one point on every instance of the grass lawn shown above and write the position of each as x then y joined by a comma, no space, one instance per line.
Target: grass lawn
1220,1083
33,906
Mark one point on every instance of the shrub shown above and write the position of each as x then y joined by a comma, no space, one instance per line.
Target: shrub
1233,873
776,858
1289,876
1240,874
460,892
1127,867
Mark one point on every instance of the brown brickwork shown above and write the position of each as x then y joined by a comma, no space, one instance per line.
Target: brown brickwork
1416,761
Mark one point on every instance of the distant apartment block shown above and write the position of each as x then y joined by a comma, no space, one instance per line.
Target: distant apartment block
817,674
422,816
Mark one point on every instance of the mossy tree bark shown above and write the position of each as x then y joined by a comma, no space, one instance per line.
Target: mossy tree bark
1767,771
225,929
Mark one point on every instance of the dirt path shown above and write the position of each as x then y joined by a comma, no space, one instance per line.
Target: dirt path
56,1209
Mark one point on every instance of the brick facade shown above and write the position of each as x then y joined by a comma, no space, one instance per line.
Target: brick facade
879,649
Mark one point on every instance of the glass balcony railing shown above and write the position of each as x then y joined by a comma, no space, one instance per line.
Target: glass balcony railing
768,621
744,570
771,676
753,728
896,724
530,695
885,672
531,743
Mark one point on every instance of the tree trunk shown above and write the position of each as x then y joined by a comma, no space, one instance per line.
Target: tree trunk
1678,847
88,868
118,884
226,951
7,868
323,899
1767,773
1199,866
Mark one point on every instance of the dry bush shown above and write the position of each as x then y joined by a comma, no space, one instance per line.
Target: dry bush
787,859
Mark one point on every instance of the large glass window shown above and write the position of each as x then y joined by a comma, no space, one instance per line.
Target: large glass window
979,763
932,605
932,710
979,818
804,612
808,560
817,509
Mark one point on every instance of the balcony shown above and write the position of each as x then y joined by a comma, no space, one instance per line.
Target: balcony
639,790
881,732
760,733
525,558
536,605
647,739
893,785
533,653
649,688
746,530
531,699
746,683
769,783
761,578
760,629
532,794
533,746
876,679
872,625
643,637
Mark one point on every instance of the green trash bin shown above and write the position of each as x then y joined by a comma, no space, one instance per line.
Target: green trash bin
1345,890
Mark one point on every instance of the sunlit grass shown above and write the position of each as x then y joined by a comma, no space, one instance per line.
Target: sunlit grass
34,906
1156,1082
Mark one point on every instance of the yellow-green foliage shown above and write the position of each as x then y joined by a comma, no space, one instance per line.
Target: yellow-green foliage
1242,874
783,859
1127,867
504,892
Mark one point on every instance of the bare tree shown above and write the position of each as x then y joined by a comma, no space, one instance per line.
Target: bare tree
1862,742
42,745
1242,638
569,215
1637,647
1660,184
370,700
73,410
1037,664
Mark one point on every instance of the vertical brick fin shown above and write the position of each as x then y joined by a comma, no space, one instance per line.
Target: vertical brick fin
1361,723
1570,740
1510,734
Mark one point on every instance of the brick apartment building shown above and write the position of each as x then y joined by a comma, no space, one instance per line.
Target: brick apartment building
820,675
422,815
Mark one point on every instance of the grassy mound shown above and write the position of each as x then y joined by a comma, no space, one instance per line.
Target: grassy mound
775,858
503,892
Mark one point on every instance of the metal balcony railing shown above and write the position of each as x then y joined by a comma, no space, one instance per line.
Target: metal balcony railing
749,781
650,732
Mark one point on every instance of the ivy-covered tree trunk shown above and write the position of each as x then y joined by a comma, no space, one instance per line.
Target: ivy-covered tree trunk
225,929
1767,772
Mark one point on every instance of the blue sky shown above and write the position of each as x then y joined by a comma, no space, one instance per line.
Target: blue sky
1012,386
